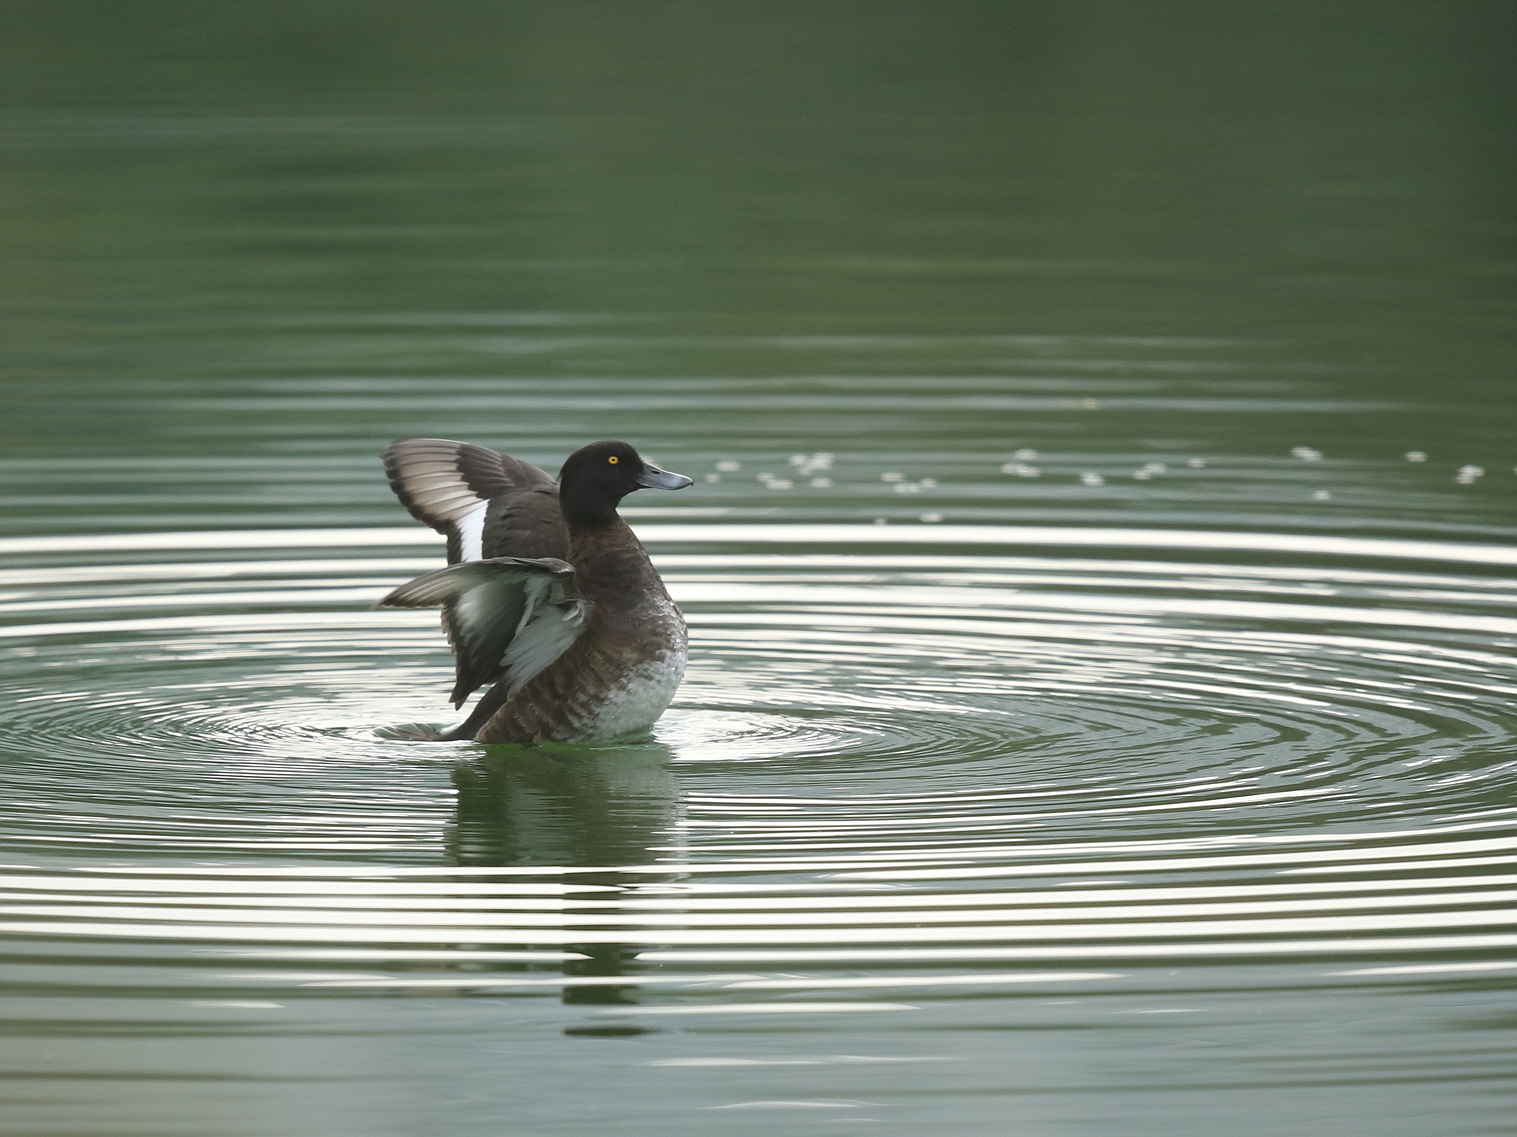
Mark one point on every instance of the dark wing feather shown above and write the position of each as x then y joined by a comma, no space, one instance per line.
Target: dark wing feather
509,617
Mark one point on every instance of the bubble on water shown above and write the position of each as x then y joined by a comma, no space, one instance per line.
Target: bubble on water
1089,479
907,487
1322,495
1089,404
1195,463
821,483
713,477
729,466
1468,474
1021,469
892,476
1416,455
1306,453
931,518
1141,475
1026,454
808,464
928,483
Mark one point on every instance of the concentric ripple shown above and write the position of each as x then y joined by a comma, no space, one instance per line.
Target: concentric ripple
944,744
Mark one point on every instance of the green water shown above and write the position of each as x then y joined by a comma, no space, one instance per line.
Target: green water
1099,568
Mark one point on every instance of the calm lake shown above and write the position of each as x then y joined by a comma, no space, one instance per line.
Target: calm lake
1101,568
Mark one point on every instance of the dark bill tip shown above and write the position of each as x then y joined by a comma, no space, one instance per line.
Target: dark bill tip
655,479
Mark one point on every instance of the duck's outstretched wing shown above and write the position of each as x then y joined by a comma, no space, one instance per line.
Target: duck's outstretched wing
481,500
510,617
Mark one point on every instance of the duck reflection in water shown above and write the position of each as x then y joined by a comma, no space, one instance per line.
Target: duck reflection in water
574,808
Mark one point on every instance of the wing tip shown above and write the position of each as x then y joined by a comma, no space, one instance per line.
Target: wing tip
439,507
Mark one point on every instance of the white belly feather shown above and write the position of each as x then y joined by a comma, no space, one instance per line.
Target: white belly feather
637,699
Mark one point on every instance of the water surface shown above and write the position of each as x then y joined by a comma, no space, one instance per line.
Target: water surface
1099,570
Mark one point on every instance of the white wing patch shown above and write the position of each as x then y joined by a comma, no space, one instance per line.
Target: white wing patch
471,533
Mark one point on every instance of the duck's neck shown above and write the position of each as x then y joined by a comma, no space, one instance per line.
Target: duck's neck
589,513
607,556
588,506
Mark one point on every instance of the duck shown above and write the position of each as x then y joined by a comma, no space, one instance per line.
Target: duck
548,595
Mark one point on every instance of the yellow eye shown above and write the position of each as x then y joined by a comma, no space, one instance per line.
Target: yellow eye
613,459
